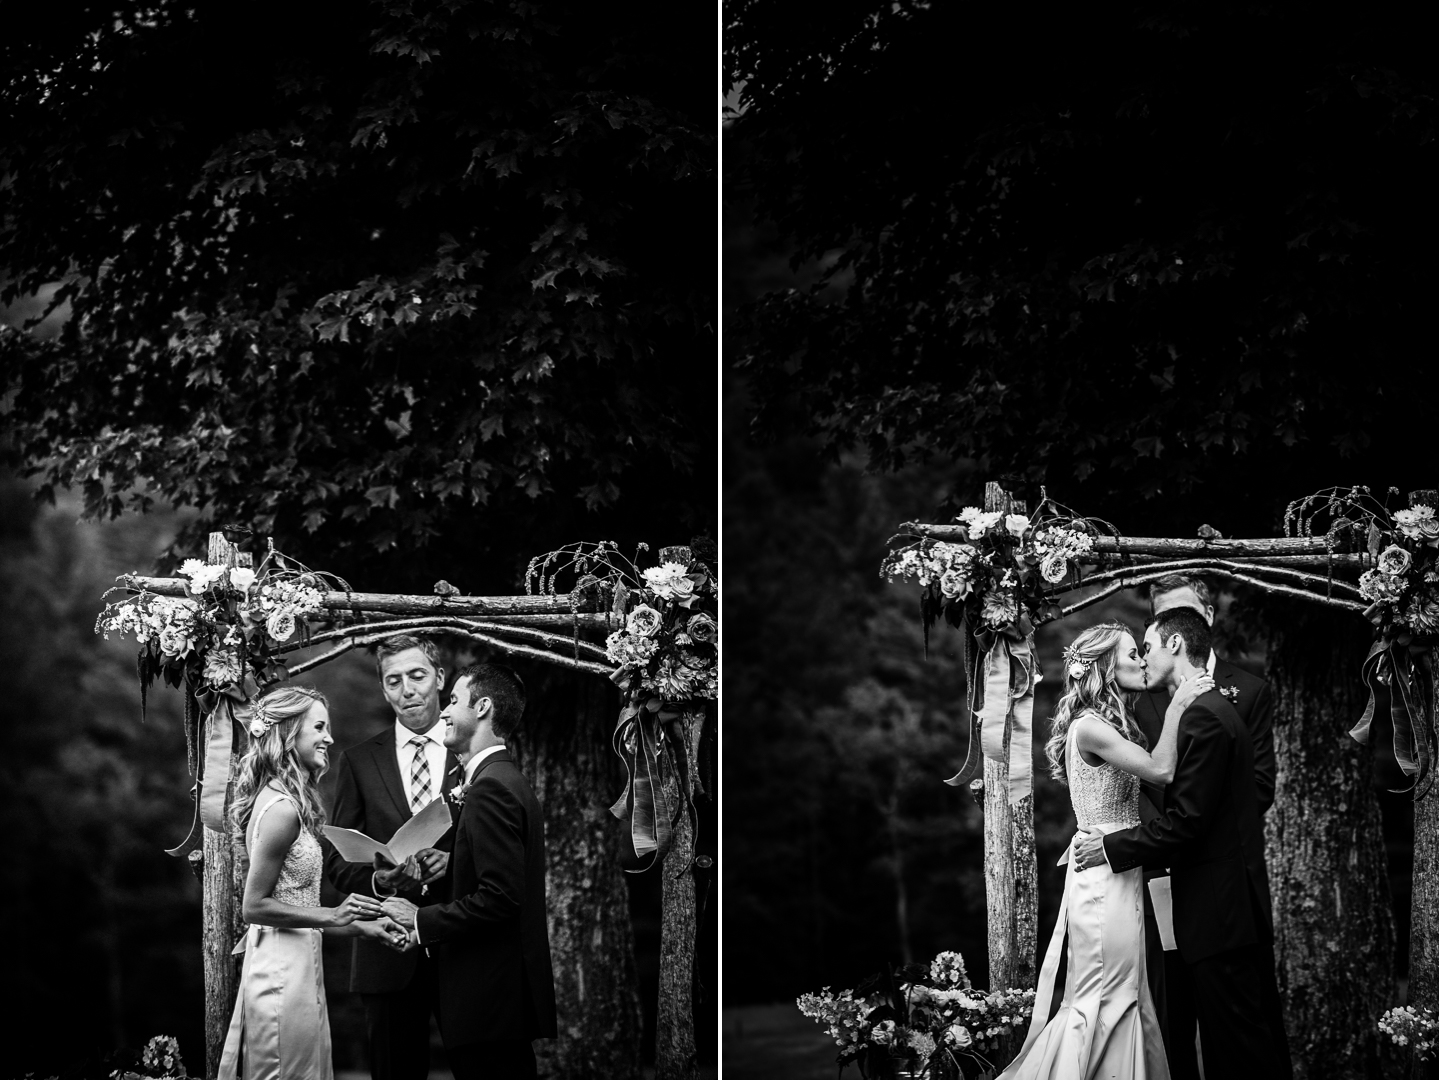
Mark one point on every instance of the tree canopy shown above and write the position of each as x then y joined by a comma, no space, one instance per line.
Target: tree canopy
374,280
1137,252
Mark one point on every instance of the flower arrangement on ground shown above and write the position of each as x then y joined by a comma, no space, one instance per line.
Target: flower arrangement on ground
160,1060
923,1021
1410,1028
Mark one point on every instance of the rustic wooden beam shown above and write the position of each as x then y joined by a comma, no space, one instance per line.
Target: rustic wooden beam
221,924
401,604
378,631
1282,547
1011,891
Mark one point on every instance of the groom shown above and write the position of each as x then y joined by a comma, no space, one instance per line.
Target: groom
1209,835
490,940
1252,699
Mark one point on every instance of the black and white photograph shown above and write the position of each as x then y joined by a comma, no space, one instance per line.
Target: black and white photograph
1079,520
359,540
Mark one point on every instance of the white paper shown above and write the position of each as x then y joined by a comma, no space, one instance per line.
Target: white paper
420,832
1164,911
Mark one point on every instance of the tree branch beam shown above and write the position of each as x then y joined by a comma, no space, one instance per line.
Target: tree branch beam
1150,545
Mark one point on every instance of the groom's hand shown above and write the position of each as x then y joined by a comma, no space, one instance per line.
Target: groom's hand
401,910
431,863
1089,849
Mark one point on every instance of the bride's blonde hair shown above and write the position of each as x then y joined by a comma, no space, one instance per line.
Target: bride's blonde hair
1093,691
272,757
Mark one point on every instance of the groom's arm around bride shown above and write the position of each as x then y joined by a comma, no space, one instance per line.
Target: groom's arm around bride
489,937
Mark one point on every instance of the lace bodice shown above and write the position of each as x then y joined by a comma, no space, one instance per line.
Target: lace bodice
1100,794
299,881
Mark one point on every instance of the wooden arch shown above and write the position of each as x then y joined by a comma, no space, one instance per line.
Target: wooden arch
1307,567
543,628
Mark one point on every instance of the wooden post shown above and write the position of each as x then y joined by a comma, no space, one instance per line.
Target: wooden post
221,924
675,1053
1423,897
1010,879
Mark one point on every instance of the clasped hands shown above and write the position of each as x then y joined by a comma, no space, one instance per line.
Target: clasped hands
1088,849
371,920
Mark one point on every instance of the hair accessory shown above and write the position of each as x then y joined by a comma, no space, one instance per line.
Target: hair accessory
1077,665
261,721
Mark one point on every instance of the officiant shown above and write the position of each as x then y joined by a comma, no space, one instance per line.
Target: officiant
380,784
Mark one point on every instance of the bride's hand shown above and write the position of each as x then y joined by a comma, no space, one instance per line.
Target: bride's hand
357,907
1191,688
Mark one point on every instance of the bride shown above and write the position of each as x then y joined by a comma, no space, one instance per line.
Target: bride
1105,1025
279,1030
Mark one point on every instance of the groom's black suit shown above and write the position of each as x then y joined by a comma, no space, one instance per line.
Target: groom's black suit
490,939
398,989
1210,836
1168,975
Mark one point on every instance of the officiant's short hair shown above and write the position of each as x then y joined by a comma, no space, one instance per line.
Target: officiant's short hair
1194,631
1194,582
502,686
390,646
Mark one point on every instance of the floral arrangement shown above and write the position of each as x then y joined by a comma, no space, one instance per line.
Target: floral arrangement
1408,1027
1401,587
999,580
160,1060
926,1020
229,623
665,647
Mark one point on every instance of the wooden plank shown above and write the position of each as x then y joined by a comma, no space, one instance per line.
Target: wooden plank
403,604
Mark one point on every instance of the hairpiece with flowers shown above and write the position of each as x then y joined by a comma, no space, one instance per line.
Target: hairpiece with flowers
1076,664
261,721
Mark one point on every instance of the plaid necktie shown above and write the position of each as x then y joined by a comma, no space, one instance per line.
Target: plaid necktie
419,776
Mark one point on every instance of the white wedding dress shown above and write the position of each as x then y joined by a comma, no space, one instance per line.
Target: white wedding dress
280,1029
1106,1025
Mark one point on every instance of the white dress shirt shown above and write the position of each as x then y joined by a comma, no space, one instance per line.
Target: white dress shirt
434,756
471,767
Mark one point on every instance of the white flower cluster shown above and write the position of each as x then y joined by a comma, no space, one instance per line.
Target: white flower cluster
630,650
842,1015
170,621
160,1059
204,577
671,581
1408,1026
980,522
949,564
948,969
281,603
1417,523
1057,547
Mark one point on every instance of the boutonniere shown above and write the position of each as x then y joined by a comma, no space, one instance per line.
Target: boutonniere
1230,693
456,794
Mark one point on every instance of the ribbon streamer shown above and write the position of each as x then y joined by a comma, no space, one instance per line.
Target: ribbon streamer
636,740
1008,680
1387,664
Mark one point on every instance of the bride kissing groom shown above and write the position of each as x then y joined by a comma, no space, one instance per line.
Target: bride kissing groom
1208,835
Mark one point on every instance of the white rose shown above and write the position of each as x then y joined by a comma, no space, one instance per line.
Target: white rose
644,621
1016,524
959,1035
1053,568
242,577
280,625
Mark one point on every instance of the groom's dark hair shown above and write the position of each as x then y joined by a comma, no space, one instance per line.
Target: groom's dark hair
505,690
1194,631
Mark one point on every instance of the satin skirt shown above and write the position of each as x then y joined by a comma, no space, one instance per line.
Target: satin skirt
1106,1025
280,1029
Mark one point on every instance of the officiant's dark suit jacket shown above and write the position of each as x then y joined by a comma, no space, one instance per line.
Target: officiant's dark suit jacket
370,797
490,941
1256,705
1209,835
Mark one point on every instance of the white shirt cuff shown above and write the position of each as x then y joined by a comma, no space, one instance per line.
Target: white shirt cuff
379,889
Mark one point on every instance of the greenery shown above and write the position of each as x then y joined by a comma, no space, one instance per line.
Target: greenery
376,277
1135,253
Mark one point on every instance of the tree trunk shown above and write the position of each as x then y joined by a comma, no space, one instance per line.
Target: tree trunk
1011,889
1423,899
222,887
565,752
1334,930
675,1052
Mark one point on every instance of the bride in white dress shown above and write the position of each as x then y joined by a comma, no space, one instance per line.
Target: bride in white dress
279,1029
1105,1025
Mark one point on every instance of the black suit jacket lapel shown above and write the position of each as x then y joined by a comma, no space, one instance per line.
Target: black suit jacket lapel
388,764
454,773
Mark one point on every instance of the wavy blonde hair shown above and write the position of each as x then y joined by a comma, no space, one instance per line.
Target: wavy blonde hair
272,757
1095,692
